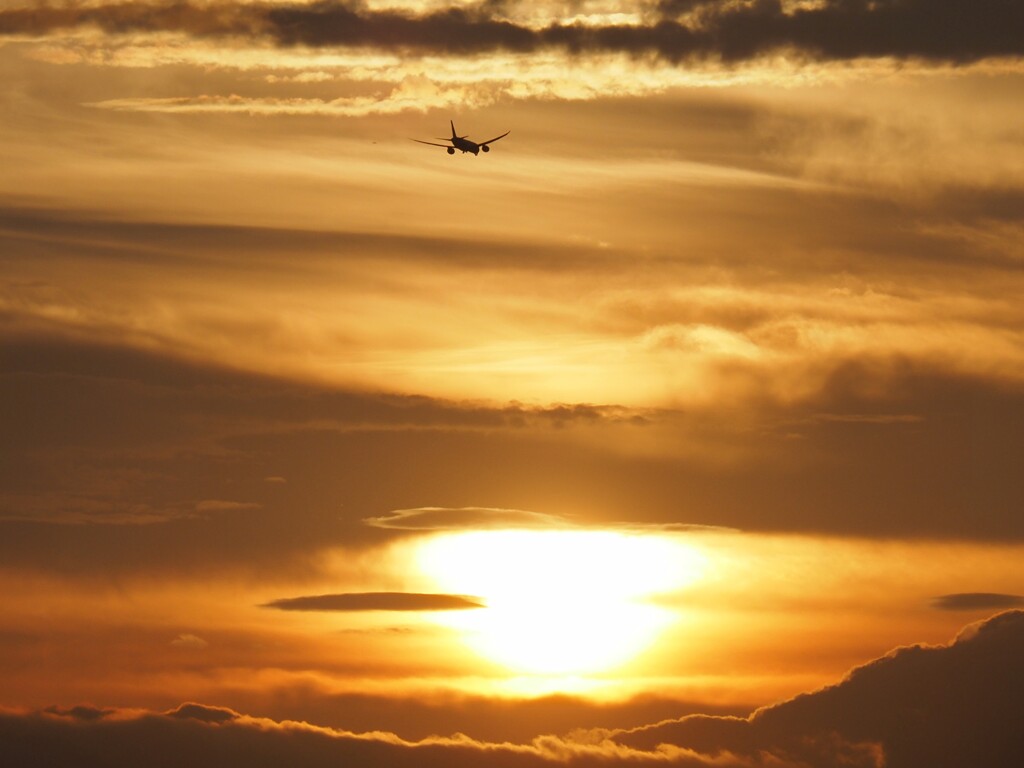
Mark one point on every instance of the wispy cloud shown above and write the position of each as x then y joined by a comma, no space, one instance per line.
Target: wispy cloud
410,95
477,518
190,642
221,505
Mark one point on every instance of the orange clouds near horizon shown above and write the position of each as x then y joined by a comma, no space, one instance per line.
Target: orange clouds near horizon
862,720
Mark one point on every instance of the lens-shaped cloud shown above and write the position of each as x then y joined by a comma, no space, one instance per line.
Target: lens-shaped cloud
376,601
976,601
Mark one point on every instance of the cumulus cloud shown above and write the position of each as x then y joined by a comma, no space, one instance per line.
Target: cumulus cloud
957,31
376,601
917,707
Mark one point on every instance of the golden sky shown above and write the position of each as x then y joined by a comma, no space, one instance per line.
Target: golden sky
702,390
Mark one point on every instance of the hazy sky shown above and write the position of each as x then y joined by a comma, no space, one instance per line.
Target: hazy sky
701,389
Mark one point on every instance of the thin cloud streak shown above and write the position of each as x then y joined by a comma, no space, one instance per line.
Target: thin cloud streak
376,601
469,518
401,99
961,31
977,601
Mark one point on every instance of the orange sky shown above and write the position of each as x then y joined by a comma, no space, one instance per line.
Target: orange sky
703,387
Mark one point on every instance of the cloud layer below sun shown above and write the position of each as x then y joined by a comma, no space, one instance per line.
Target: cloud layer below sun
916,707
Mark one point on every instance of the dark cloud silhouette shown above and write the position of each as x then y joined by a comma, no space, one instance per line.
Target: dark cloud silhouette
923,707
202,713
976,601
80,712
959,30
376,601
917,707
163,740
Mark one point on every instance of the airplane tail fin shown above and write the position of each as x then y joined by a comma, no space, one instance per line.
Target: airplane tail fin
453,129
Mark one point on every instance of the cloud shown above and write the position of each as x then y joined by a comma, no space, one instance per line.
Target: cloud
207,736
89,426
976,601
917,707
920,706
221,505
469,518
959,31
76,510
80,712
203,713
193,642
481,717
407,96
376,601
481,518
211,247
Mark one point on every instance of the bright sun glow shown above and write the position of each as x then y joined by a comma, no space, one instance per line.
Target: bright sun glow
559,602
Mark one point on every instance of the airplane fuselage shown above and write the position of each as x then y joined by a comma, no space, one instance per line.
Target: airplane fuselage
463,144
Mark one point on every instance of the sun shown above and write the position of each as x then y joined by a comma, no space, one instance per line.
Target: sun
558,602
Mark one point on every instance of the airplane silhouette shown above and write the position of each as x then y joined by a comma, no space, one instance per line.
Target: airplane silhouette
464,144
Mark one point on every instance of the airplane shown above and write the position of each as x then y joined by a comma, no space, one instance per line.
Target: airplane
464,144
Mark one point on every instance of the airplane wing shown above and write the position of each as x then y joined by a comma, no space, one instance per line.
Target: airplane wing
506,133
446,146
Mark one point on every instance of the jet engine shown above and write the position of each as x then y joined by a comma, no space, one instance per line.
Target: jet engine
451,150
485,148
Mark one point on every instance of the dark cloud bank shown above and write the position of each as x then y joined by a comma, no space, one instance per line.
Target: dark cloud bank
106,434
954,30
918,707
